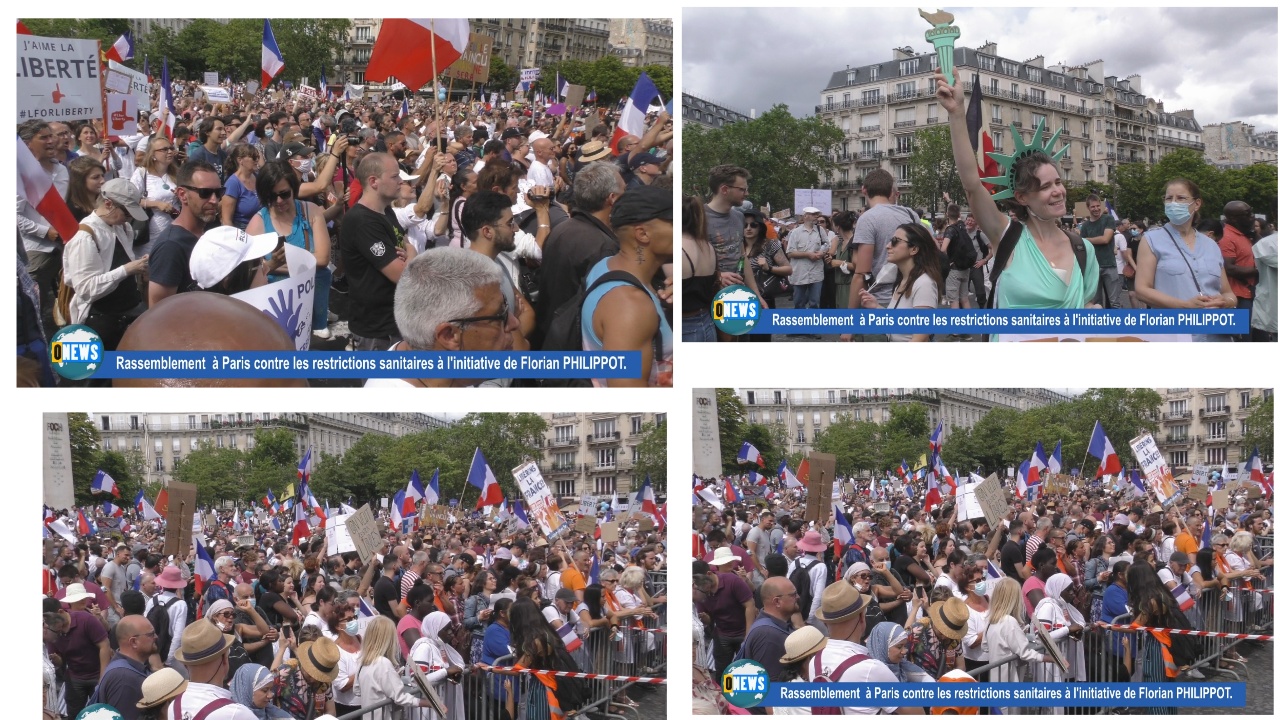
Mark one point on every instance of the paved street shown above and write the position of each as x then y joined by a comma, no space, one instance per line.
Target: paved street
1260,675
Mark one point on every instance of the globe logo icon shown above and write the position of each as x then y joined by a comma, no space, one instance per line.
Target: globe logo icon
76,352
745,683
735,310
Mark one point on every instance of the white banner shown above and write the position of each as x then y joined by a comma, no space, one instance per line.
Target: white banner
139,85
251,87
216,94
820,199
540,504
289,301
1200,475
355,92
58,79
1159,480
337,536
122,114
308,92
59,490
210,78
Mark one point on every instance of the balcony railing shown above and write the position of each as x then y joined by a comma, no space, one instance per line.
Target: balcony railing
1177,440
1181,143
870,156
931,121
563,442
1177,415
610,438
869,128
904,124
1211,412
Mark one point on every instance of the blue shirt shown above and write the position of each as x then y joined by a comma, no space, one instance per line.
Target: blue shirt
247,202
591,342
497,639
1114,604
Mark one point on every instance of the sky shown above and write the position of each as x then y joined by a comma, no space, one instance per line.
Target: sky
1221,62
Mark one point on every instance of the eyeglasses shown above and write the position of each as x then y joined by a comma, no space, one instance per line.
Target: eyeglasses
282,195
165,149
206,193
1220,544
502,315
755,225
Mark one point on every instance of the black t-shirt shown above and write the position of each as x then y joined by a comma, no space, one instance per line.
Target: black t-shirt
369,243
263,655
126,296
385,593
897,614
1010,555
170,263
902,565
267,608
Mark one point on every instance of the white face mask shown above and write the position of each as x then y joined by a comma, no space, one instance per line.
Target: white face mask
306,166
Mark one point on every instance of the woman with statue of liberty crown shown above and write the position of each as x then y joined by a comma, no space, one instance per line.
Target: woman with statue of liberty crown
1038,265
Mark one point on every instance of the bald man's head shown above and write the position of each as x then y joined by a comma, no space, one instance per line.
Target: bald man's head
206,321
778,597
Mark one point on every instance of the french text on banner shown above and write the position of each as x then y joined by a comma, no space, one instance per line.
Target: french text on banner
1136,323
1047,694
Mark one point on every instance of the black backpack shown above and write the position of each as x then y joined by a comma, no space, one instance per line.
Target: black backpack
804,586
565,329
159,618
1010,240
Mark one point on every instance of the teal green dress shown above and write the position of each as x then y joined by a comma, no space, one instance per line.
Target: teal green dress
1029,282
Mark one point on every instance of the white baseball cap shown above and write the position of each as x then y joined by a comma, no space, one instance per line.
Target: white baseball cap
811,209
221,249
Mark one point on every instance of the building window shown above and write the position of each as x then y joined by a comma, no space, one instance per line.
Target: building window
635,424
751,397
765,417
106,422
1177,408
909,67
1178,458
875,72
997,140
1033,74
857,414
606,485
605,428
195,444
565,434
106,444
850,76
565,488
884,414
233,442
753,416
1178,433
986,63
1244,399
607,458
133,423
1036,119
994,87
159,464
870,97
1217,430
1009,68
220,441
995,112
177,445
907,88
831,396
777,397
830,103
1215,403
1216,456
800,436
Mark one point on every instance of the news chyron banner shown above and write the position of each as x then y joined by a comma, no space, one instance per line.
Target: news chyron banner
737,310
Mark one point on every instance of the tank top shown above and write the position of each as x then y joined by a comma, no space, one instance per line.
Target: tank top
697,291
591,342
126,296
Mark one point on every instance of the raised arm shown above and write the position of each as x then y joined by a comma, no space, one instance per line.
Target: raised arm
992,221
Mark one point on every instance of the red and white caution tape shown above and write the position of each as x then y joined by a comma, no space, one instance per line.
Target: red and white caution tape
584,676
1195,633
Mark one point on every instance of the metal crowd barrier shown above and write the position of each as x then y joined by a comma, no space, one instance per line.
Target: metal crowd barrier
659,578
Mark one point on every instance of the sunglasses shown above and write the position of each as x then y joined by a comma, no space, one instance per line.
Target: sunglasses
754,225
206,193
895,242
282,195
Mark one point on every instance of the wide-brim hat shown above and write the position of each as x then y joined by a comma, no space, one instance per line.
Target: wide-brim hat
803,643
841,601
950,618
171,578
161,686
594,150
723,556
75,593
202,642
319,659
812,542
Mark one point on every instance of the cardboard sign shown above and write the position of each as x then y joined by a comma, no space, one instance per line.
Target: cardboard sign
1160,480
540,504
574,94
851,488
337,537
306,92
215,94
117,82
1057,484
881,507
251,87
990,496
139,85
820,199
1221,498
122,114
58,79
1198,492
1254,492
585,526
363,529
822,476
59,487
609,532
474,63
289,301
1050,647
587,505
646,524
967,505
180,518
782,214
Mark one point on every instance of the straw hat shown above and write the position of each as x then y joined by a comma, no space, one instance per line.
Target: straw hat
803,643
840,602
319,659
594,150
202,642
950,618
160,686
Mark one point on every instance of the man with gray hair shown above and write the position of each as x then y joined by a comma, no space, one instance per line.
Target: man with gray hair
450,299
576,245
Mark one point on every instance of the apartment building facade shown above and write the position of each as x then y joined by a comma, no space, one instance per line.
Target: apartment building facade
1206,426
594,453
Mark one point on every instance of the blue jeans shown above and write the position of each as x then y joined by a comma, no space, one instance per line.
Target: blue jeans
806,296
698,328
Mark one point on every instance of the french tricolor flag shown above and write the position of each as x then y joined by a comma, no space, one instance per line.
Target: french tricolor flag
404,49
102,483
731,494
1135,477
935,440
517,511
932,497
480,476
432,494
166,99
404,110
144,508
749,454
1101,448
644,94
122,49
757,479
591,96
301,528
204,572
789,478
83,526
272,60
1055,460
843,535
35,187
903,470
1024,471
1039,465
648,501
415,489
1256,476
110,510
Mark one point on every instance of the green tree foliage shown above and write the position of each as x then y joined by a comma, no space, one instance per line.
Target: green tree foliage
1079,192
853,442
87,457
502,77
651,455
782,153
731,417
105,30
219,473
1139,188
1261,430
234,48
932,169
767,440
865,447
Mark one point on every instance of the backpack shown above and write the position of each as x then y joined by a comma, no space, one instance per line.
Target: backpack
565,330
118,662
821,677
1010,240
205,711
62,305
204,599
804,586
960,251
159,619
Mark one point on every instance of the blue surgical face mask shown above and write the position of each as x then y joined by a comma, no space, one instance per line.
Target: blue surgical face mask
269,132
352,627
1178,213
253,603
981,588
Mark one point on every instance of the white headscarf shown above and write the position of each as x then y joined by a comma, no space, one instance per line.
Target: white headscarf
432,624
1053,589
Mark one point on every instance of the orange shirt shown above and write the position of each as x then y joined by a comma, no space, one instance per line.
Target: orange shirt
1187,544
1237,248
571,579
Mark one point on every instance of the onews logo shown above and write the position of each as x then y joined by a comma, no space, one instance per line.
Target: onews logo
735,310
745,683
76,352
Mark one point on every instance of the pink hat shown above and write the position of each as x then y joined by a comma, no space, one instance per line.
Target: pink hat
812,542
171,578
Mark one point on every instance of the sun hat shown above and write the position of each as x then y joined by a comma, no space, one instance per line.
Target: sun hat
803,643
319,659
221,249
202,642
812,542
171,578
594,150
950,618
76,592
841,601
723,556
160,686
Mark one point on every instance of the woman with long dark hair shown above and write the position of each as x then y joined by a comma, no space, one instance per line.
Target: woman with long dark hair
463,186
86,178
477,612
1097,573
698,274
842,263
763,256
920,268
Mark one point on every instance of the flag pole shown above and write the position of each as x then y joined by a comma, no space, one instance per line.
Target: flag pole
435,90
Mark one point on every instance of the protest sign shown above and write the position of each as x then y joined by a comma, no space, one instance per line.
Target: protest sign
122,114
587,505
1050,646
609,532
307,92
1221,498
216,94
646,524
434,516
1200,475
139,85
967,505
820,199
179,518
1198,492
822,475
337,536
251,87
117,82
289,301
1160,480
363,529
1057,484
58,79
540,504
530,75
474,63
880,507
851,488
990,496
782,214
59,489
210,78
574,94
585,525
